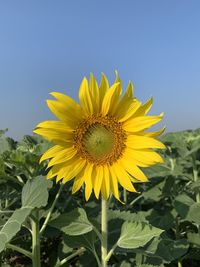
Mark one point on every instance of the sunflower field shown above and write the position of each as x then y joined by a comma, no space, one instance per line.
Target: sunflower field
157,226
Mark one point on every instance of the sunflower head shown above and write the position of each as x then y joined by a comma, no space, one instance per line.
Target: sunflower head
102,141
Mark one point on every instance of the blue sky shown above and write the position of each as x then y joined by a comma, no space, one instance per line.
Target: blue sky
50,45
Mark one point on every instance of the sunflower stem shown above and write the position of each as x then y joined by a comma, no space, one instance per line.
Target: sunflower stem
125,195
51,210
195,179
104,232
35,240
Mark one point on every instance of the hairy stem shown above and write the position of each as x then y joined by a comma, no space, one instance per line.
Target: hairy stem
35,240
104,233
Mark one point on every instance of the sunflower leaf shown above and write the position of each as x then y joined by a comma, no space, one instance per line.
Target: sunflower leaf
34,195
12,226
73,223
35,192
136,234
194,239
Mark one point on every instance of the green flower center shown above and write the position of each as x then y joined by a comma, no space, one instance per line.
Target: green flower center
98,141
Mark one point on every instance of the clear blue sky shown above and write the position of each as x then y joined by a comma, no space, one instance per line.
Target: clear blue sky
50,45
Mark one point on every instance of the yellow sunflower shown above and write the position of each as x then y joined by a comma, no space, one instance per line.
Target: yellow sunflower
100,142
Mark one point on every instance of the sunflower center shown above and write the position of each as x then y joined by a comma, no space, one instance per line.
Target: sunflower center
100,140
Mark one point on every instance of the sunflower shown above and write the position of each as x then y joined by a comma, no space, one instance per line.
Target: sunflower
100,142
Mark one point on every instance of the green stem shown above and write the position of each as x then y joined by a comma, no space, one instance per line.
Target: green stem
178,237
78,252
6,211
20,250
104,233
96,257
97,233
195,178
195,175
111,252
36,240
125,195
51,209
135,200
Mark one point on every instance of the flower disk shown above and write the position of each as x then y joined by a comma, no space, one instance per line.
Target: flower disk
101,142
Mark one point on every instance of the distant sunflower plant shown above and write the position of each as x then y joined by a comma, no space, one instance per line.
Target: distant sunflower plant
101,142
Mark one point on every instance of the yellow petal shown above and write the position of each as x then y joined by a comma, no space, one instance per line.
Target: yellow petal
103,88
141,123
94,92
126,101
51,152
73,170
78,182
55,136
154,134
114,184
144,109
111,99
58,125
85,97
68,102
140,142
98,177
125,114
133,169
106,183
54,171
54,130
123,177
62,156
143,158
64,113
88,181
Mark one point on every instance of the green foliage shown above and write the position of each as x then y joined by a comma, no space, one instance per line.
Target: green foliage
73,223
35,192
136,234
158,227
13,225
34,195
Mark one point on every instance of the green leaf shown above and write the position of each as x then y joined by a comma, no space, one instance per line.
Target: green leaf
73,223
125,264
194,213
187,208
87,240
170,250
182,205
154,192
4,145
164,221
166,249
137,234
194,239
34,195
35,192
157,171
13,225
126,215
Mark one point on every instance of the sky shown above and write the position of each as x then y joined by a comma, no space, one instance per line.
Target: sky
49,46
